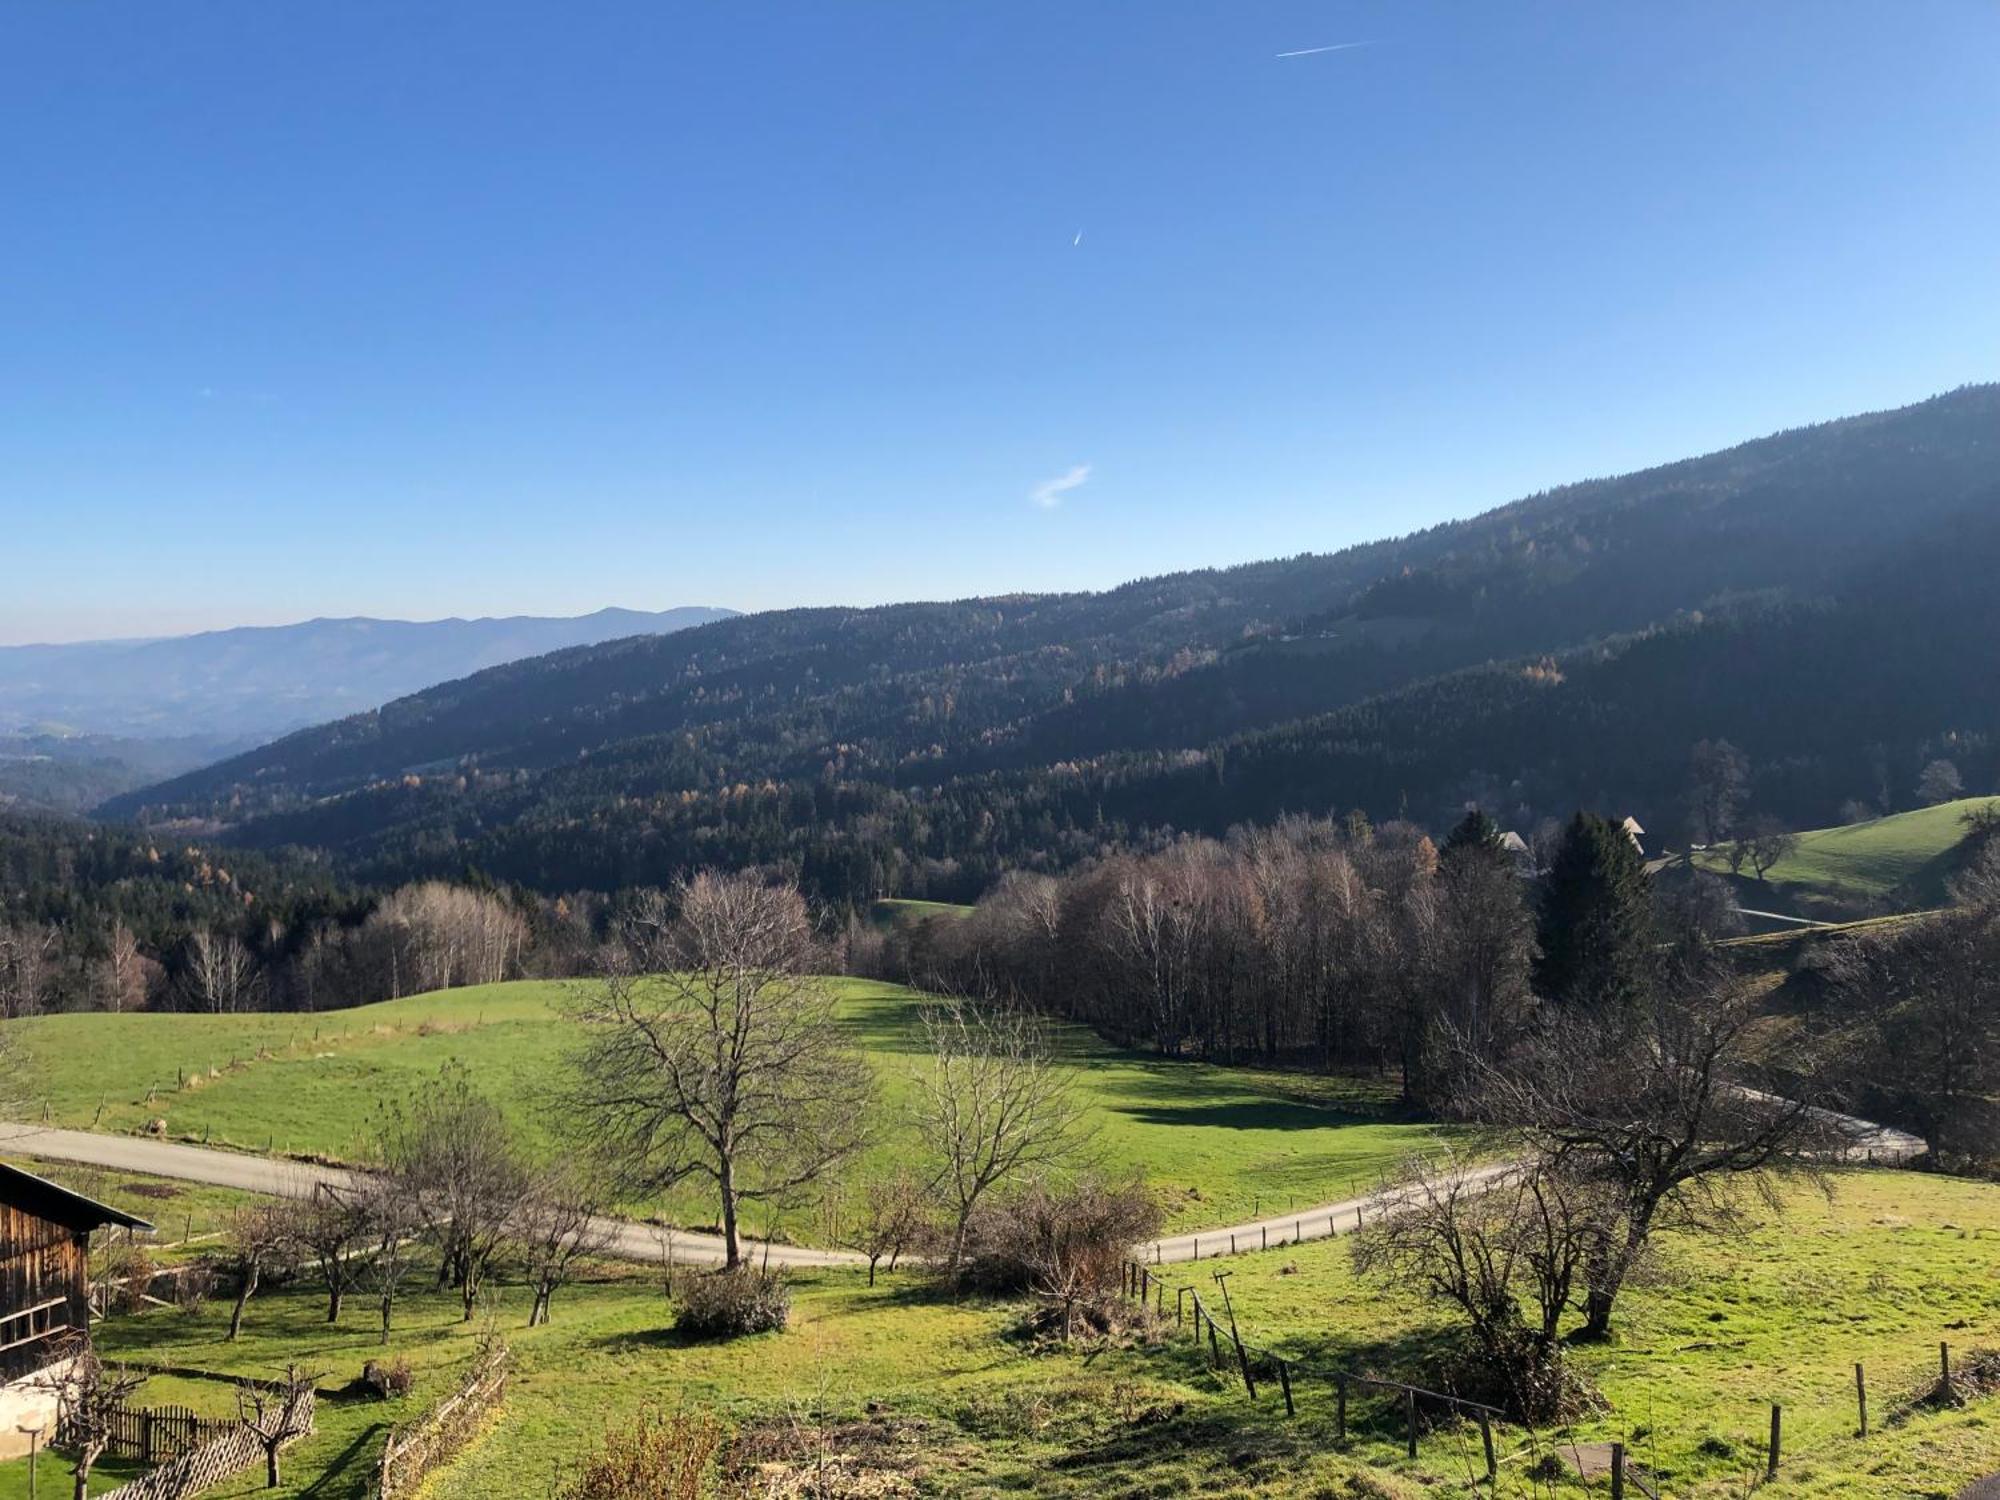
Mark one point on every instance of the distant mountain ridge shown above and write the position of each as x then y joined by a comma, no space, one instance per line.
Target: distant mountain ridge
254,682
1814,596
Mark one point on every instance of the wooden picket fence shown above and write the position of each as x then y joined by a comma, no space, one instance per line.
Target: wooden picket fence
225,1452
154,1434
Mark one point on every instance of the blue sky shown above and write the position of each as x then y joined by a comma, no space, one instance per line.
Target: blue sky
337,306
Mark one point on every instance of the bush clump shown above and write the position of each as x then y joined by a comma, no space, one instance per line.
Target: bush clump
729,1304
387,1380
658,1457
1068,1246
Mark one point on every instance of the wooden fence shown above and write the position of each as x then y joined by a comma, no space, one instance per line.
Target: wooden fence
230,1451
1226,1347
412,1452
153,1434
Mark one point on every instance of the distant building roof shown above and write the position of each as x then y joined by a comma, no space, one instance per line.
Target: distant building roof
1513,843
1631,826
47,1200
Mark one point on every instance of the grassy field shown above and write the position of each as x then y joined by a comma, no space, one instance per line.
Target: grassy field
1222,1144
951,1397
1906,858
891,911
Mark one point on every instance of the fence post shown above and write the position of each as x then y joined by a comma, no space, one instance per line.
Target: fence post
1180,1306
1861,1395
1285,1383
145,1437
1298,1231
1229,1306
1410,1410
1214,1345
1486,1441
1777,1434
1264,1235
1340,1408
1232,1242
1617,1471
1944,1368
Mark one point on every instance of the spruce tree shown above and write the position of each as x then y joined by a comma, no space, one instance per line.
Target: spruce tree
1596,929
1474,831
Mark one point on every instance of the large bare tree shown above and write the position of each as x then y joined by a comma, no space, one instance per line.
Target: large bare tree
710,1049
1660,1114
992,1105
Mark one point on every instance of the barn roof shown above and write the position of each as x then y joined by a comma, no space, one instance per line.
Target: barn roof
46,1200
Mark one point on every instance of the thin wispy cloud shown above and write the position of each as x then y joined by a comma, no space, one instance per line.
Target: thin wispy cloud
1333,47
1049,493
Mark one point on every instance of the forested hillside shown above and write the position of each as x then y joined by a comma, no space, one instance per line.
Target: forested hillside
1791,595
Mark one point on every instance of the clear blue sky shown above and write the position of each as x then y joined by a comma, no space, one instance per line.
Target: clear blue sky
351,306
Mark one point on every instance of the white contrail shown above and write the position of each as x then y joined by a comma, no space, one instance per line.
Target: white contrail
1310,51
1078,240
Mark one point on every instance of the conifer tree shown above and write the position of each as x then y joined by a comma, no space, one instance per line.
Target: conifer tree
1596,928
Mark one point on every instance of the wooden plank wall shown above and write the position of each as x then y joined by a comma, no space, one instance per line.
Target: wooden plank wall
39,1262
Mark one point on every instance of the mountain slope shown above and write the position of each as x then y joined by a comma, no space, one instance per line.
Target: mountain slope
257,681
918,748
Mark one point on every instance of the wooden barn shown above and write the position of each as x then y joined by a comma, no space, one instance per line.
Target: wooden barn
44,1284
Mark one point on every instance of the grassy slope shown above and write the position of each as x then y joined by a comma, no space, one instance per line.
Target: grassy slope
1223,1144
1908,854
1893,1263
1879,1273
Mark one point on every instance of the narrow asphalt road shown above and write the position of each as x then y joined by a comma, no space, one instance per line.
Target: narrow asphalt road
629,1239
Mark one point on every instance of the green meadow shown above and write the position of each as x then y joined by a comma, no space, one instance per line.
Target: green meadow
954,1399
1221,1144
1907,857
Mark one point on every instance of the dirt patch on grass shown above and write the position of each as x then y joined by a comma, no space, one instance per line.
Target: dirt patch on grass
878,1457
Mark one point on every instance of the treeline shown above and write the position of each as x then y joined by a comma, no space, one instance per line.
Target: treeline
97,918
1333,944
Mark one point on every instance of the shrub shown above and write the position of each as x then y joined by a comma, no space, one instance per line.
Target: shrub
658,1457
388,1379
1066,1245
128,1271
728,1304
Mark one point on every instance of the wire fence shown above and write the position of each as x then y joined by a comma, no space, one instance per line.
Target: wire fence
1408,1413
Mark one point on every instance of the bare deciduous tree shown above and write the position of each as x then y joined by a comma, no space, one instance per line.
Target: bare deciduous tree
255,1236
1659,1113
712,1051
395,1216
1508,1255
1769,842
436,936
334,1234
992,1105
891,1215
122,979
453,1152
557,1225
90,1398
27,958
220,974
275,1413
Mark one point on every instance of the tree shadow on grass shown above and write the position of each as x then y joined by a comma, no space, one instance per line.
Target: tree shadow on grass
1244,1114
350,1471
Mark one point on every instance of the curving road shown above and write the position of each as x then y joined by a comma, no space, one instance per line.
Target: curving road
628,1239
